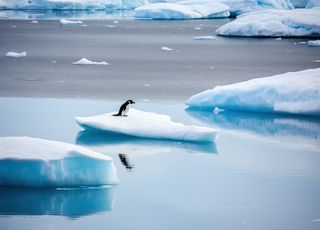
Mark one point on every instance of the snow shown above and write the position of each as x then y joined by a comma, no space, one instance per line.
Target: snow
15,54
293,92
71,4
70,22
84,61
147,125
27,161
189,9
208,37
315,43
275,23
164,48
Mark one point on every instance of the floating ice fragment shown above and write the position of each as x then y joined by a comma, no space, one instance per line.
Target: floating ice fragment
35,22
15,54
314,43
70,22
27,161
147,125
110,26
84,61
164,48
205,38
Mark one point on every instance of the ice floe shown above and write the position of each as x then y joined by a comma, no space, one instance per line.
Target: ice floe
35,22
164,48
147,125
71,4
314,43
15,54
27,161
208,37
294,92
84,61
188,9
275,23
69,22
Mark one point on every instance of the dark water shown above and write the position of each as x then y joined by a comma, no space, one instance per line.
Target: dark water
261,173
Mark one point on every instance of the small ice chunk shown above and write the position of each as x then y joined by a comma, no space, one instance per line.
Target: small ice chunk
197,28
278,39
110,26
84,25
27,161
70,22
15,54
34,21
205,38
315,220
217,110
115,22
84,61
147,85
316,61
147,125
14,26
54,61
314,43
164,48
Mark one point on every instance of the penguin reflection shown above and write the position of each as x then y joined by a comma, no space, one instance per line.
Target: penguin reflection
125,161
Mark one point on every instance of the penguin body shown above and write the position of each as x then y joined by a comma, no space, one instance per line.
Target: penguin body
124,109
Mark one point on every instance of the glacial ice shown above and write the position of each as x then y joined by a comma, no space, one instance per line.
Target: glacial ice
293,92
84,61
314,43
313,3
275,23
15,54
147,125
188,9
33,162
71,4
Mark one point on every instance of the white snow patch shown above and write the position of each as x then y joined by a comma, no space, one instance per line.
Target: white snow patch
314,43
15,54
147,125
294,92
27,161
84,61
275,23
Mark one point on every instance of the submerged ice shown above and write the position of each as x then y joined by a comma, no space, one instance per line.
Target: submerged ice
294,92
27,161
147,125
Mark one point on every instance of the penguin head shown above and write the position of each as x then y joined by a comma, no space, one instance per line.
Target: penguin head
131,102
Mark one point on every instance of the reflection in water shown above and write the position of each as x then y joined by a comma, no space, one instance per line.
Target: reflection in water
112,143
125,161
69,202
265,124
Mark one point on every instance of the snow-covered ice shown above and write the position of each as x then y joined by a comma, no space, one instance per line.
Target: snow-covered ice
15,54
275,23
27,161
71,4
314,43
164,48
69,22
84,61
294,92
147,125
188,9
207,37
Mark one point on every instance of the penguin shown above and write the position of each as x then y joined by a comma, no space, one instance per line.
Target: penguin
124,109
125,161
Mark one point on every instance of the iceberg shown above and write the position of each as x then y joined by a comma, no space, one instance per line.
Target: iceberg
15,54
188,9
293,92
70,4
315,43
33,162
274,23
67,202
147,125
84,61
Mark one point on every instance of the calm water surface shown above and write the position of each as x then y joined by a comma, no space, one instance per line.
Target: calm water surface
261,173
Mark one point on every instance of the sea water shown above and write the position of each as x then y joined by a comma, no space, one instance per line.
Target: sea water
261,173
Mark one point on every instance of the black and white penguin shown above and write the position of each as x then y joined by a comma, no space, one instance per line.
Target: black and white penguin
124,109
125,161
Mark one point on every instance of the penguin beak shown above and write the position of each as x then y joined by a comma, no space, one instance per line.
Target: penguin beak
133,102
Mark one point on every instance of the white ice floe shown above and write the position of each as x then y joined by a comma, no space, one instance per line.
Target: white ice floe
208,37
147,125
15,54
188,9
294,92
164,48
84,61
70,22
27,161
71,4
238,7
275,23
314,43
35,22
